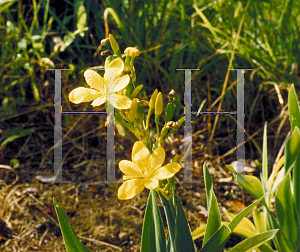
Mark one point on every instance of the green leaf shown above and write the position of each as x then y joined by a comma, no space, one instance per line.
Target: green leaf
254,187
214,217
286,215
259,220
183,236
244,223
14,133
294,109
265,157
240,230
296,180
218,240
254,242
71,241
238,218
171,218
153,234
291,151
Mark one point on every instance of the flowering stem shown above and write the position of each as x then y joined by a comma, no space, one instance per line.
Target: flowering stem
150,111
179,122
157,126
120,119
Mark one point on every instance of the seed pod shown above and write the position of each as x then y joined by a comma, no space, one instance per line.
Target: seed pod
169,112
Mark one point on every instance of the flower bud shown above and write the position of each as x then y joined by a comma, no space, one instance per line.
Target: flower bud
136,91
153,99
114,45
132,111
159,104
132,52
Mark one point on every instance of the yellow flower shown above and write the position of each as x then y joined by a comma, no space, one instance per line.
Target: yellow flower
103,89
145,170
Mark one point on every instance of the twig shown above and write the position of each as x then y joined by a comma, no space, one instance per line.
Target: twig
100,242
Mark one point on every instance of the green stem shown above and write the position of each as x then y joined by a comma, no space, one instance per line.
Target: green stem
157,128
150,111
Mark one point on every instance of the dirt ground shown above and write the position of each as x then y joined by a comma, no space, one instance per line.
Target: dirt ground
102,222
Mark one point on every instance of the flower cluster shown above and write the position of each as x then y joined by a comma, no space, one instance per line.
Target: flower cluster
116,87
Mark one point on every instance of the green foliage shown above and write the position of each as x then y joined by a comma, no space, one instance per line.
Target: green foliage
217,233
153,235
286,185
71,241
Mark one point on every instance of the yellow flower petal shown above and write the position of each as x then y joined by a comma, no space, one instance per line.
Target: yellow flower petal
152,184
130,169
121,83
167,171
99,101
94,80
140,153
157,158
117,66
82,94
109,80
131,188
119,101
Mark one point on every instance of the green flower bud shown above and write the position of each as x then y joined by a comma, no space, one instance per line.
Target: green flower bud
140,113
136,90
153,99
114,45
164,132
133,110
169,112
159,104
180,121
